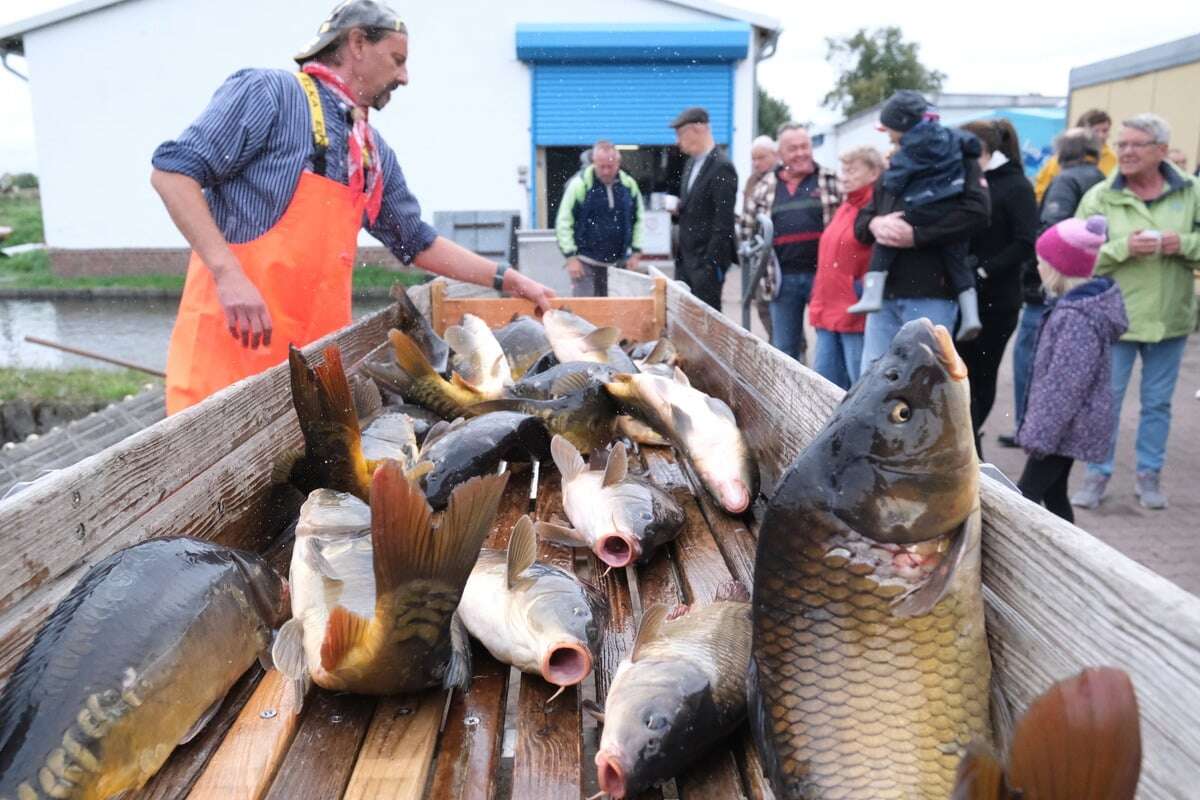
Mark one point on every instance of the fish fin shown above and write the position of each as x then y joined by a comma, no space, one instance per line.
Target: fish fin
719,408
602,338
438,430
325,410
559,534
569,384
498,365
522,549
388,375
368,401
419,470
732,590
678,611
593,709
760,727
681,421
458,669
639,432
343,631
462,383
921,599
315,558
680,376
288,650
500,404
402,533
203,721
981,776
660,353
618,465
566,458
409,356
1080,740
456,337
651,626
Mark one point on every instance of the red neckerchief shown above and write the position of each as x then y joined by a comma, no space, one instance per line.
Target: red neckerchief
362,162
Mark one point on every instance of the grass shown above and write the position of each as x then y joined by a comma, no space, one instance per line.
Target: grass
70,386
32,270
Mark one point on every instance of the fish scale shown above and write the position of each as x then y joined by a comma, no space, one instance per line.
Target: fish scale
857,686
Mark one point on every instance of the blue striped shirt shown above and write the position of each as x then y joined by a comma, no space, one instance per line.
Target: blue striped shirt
248,148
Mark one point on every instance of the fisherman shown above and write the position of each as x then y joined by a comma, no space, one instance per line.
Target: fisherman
270,186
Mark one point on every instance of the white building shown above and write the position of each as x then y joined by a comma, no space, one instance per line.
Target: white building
1038,120
502,99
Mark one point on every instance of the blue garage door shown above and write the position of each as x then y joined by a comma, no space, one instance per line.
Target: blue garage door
574,104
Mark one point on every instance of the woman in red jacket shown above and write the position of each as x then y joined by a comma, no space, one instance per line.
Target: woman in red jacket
841,262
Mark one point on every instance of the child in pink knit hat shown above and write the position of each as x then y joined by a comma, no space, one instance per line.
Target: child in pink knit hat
1069,402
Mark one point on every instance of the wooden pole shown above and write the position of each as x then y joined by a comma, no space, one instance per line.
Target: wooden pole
88,354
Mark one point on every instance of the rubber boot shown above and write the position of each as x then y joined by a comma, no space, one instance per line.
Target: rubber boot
969,325
872,296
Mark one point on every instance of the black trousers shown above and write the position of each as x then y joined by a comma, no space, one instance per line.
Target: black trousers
1044,481
703,280
982,357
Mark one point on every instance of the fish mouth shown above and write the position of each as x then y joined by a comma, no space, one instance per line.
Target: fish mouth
945,351
735,496
617,549
609,775
566,664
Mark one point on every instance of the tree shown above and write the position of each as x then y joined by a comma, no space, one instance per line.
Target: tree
871,65
771,114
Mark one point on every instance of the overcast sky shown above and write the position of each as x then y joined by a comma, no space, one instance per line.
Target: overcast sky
1022,46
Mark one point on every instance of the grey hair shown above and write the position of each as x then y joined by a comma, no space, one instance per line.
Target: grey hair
1152,125
789,126
763,141
865,155
605,145
1076,144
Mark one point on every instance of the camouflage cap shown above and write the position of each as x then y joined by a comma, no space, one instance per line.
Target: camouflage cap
347,15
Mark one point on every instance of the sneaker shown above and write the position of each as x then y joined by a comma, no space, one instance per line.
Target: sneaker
1148,492
1092,491
1005,440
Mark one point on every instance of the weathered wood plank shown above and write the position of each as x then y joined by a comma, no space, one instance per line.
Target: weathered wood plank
396,756
549,748
322,755
1059,600
245,763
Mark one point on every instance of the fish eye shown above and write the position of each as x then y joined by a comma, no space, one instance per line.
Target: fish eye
900,413
656,722
892,374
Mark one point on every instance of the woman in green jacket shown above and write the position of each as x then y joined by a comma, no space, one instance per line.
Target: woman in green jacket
1153,247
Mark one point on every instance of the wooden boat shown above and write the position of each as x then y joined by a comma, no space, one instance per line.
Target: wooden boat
1058,599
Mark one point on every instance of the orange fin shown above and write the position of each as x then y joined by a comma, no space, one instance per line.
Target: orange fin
409,356
463,383
325,410
1081,740
343,631
981,777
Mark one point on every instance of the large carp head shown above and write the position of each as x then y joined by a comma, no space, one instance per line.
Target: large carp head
565,618
899,453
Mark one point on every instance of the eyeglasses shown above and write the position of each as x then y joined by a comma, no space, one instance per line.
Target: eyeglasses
1134,145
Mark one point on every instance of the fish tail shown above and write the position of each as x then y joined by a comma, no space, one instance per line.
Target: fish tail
981,777
409,356
402,534
343,632
1081,740
325,410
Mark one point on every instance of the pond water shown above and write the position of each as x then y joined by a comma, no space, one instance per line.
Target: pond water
133,330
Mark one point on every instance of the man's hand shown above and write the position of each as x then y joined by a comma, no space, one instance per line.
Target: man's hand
891,230
634,262
574,268
521,286
245,310
1170,243
1142,245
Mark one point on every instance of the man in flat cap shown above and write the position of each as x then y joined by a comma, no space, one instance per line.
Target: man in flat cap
707,195
271,185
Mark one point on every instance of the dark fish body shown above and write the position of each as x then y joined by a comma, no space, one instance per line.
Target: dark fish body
476,446
682,689
539,386
524,342
871,673
544,363
124,668
333,456
410,320
587,417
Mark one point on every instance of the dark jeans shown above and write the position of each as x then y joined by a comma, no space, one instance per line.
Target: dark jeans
704,280
1031,318
1044,481
982,357
787,314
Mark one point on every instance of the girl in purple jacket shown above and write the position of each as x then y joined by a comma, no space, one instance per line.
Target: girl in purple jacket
1069,403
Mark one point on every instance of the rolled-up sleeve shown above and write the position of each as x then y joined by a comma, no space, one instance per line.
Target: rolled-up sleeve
230,132
399,225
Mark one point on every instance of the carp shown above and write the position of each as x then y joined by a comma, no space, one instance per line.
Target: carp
136,660
870,672
682,689
620,518
476,446
422,384
581,411
478,357
534,616
575,339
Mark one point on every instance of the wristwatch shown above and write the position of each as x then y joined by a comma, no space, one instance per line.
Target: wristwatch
498,278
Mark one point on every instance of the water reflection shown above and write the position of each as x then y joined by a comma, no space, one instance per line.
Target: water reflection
134,330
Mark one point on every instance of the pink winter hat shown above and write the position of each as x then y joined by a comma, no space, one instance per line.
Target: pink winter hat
1072,245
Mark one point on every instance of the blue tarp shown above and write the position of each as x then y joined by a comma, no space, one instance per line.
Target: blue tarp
1036,128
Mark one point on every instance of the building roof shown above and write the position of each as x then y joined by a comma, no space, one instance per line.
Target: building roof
1152,59
11,35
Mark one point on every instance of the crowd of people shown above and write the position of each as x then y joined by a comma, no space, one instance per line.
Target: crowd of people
1090,265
